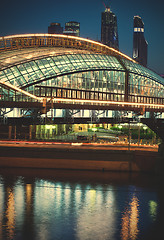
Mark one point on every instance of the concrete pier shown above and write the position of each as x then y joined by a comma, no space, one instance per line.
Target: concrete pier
160,162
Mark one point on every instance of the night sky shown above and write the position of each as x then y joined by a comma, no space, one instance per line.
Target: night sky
34,16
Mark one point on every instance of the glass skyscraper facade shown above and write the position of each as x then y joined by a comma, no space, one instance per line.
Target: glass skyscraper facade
109,32
72,28
139,42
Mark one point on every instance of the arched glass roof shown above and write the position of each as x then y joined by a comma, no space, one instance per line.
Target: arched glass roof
24,71
14,57
38,70
28,60
143,71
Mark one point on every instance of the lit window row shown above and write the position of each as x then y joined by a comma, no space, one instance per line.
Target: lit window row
138,29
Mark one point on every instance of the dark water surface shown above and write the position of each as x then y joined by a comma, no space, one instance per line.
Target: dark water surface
53,204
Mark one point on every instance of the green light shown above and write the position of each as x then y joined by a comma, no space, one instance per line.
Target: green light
153,209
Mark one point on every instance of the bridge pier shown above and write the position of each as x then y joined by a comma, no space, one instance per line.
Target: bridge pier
161,150
160,162
10,132
30,132
157,125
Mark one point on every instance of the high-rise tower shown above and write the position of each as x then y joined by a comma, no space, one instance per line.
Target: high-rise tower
55,28
109,32
139,42
72,28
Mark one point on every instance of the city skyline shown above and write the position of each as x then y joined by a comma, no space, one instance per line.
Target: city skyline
37,16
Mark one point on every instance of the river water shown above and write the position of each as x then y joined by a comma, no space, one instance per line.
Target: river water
53,204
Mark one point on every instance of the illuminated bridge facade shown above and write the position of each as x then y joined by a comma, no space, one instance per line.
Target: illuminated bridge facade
46,72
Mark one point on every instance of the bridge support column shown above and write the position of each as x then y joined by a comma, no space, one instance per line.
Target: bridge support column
161,150
15,132
157,125
30,132
10,131
34,133
160,163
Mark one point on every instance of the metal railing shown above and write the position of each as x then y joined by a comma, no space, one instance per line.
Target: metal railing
55,97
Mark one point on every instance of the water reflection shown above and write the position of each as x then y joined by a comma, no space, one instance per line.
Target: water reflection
1,209
10,213
53,209
97,216
130,220
153,209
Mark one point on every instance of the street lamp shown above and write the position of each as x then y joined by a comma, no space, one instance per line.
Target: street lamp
139,127
144,128
129,136
120,127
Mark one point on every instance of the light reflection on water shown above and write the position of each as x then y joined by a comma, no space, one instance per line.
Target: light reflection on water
130,219
43,208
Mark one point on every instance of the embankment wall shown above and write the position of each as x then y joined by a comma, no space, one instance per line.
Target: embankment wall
78,158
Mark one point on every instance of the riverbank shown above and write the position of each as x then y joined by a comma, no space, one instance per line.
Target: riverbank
78,156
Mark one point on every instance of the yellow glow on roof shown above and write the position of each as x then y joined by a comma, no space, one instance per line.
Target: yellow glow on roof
67,37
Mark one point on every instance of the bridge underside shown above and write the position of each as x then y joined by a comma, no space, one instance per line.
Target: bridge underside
62,120
39,112
73,104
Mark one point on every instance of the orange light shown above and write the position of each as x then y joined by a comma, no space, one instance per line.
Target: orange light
67,37
107,102
21,91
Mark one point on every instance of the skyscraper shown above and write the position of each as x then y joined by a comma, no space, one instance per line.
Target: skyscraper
72,28
139,42
55,28
109,32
